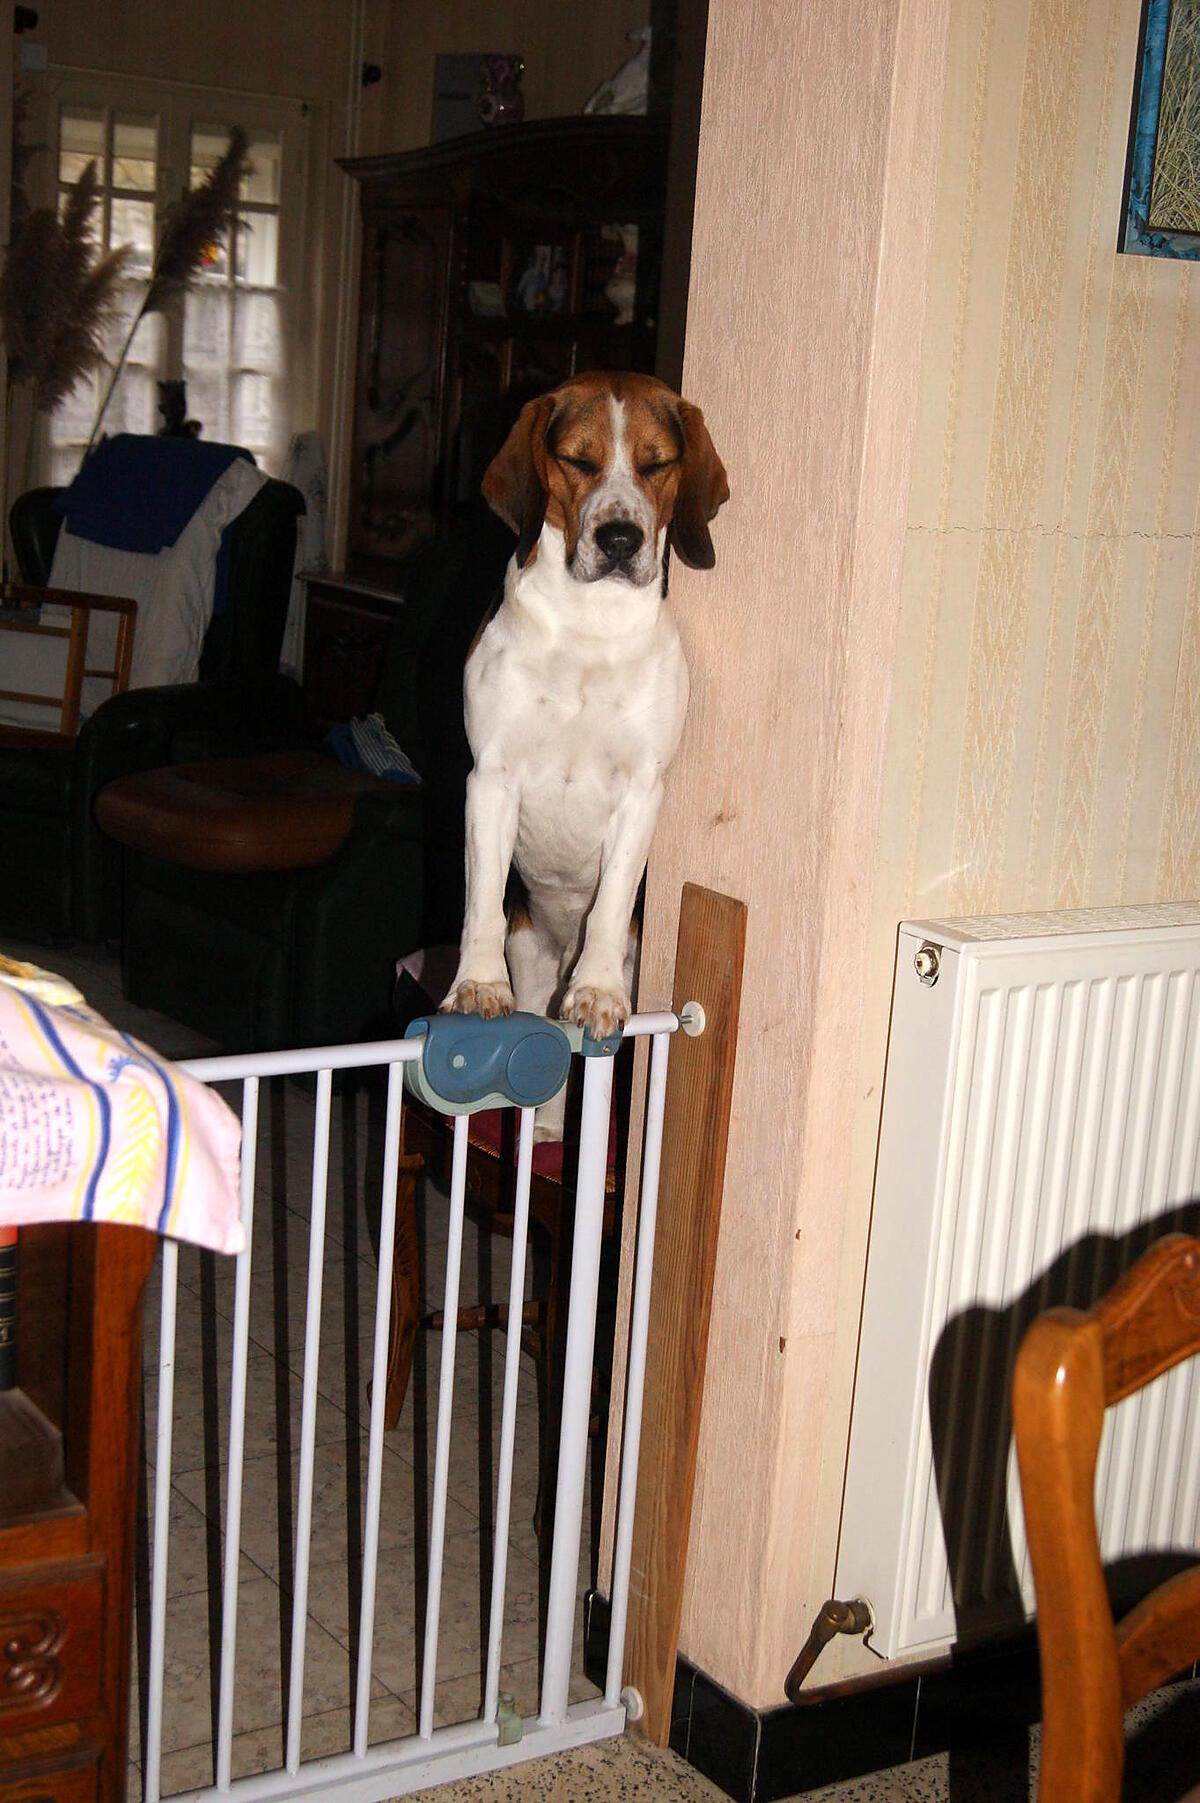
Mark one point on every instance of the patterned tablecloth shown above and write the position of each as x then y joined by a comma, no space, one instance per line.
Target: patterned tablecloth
96,1127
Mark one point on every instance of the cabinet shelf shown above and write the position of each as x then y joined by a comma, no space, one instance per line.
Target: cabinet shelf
32,1484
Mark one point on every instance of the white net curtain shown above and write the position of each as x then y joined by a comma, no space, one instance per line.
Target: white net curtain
227,340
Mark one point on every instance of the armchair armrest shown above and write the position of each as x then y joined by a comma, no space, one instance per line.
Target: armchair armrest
175,724
22,612
185,722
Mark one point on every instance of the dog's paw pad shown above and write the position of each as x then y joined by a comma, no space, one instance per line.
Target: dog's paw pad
486,999
599,1011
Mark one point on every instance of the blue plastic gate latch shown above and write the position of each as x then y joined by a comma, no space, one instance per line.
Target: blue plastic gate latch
518,1060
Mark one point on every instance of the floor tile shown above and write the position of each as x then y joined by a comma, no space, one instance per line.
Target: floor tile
201,1413
262,1749
264,1626
195,1548
400,1612
338,1498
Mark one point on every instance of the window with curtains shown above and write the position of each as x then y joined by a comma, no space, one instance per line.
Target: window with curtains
229,338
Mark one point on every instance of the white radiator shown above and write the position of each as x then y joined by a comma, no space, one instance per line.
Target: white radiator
1041,1124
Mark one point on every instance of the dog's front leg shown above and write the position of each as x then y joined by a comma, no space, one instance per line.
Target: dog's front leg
481,985
597,997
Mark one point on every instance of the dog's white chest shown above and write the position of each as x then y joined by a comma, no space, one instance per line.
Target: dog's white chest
573,729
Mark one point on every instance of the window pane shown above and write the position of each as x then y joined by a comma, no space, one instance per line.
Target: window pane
134,403
258,330
206,327
265,159
253,411
209,144
135,149
206,348
207,399
64,463
258,249
133,223
80,138
73,418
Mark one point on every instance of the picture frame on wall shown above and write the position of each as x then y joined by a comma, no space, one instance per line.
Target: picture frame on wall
1162,178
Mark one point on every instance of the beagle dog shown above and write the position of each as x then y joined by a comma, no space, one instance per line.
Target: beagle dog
575,695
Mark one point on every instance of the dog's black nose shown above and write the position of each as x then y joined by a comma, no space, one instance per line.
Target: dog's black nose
620,540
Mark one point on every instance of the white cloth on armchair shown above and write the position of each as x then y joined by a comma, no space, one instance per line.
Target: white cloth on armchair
174,592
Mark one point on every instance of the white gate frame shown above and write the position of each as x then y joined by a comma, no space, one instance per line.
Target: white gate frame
369,1774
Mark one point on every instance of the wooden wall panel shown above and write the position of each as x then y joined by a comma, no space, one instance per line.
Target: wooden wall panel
814,201
947,662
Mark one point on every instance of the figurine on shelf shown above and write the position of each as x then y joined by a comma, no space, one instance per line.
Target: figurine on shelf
627,90
502,102
621,286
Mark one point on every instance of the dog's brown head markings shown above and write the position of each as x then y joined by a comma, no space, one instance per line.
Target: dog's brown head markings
613,460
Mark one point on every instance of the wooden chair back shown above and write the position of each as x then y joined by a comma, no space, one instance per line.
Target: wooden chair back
1071,1367
21,610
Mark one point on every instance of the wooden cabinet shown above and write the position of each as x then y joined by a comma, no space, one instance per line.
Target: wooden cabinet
68,1464
487,277
346,628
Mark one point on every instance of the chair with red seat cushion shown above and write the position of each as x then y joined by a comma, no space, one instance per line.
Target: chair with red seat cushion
490,1195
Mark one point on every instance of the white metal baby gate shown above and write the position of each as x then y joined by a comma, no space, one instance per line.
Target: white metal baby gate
369,1773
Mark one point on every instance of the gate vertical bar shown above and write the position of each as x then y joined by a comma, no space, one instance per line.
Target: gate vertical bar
164,1427
383,1299
577,1386
635,1377
237,1439
441,1462
308,1414
508,1413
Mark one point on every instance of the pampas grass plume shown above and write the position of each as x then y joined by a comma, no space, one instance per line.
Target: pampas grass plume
197,222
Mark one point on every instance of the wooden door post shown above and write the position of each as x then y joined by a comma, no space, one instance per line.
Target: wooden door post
708,970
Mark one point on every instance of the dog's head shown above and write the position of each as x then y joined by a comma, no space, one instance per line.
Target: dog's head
612,460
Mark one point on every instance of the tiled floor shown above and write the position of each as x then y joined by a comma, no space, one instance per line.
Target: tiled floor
276,1362
621,1768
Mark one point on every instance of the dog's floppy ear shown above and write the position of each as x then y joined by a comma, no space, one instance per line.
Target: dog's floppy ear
703,489
515,480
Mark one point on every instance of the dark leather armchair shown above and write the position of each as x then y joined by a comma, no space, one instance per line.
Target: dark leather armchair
260,959
62,876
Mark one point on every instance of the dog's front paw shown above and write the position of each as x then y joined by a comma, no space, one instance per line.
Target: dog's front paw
599,1011
486,999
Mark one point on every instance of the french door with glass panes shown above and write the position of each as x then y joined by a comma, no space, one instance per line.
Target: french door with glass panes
229,338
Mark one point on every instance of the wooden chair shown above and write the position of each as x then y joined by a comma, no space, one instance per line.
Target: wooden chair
21,610
489,1201
1071,1367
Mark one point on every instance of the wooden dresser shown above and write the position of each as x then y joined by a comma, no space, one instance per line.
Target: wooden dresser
485,265
68,1466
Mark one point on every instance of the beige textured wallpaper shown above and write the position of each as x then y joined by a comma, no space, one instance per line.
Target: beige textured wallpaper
1044,730
950,658
1042,750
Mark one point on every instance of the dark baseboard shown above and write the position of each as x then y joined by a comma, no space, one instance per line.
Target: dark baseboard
968,1703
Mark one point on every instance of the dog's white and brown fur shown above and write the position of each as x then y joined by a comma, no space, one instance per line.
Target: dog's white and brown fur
576,692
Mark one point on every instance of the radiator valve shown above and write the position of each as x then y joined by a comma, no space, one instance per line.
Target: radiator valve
833,1618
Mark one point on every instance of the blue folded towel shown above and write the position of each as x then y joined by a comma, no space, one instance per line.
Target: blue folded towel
137,493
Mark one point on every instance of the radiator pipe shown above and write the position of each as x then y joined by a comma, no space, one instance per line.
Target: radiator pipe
833,1617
